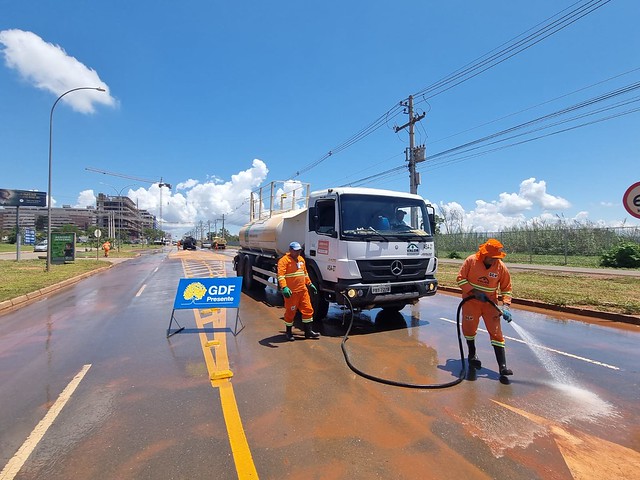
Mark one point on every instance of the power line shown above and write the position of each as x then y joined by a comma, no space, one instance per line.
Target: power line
452,155
472,69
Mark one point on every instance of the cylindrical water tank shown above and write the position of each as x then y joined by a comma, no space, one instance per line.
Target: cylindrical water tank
275,233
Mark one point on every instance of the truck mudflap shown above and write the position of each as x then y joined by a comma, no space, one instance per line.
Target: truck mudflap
372,295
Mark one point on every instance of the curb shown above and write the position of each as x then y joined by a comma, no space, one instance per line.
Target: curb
584,312
23,300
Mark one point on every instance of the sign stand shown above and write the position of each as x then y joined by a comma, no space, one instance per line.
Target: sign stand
238,319
173,318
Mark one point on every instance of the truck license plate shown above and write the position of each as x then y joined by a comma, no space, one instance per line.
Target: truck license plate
381,289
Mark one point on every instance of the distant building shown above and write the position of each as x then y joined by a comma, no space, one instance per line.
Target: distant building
112,214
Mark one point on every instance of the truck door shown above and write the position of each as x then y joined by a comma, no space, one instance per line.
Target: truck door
323,238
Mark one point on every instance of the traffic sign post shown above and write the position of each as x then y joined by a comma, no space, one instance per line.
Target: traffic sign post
97,233
631,200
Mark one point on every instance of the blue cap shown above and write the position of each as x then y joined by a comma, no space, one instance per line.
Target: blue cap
295,246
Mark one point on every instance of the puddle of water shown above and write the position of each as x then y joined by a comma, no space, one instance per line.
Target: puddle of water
578,403
502,430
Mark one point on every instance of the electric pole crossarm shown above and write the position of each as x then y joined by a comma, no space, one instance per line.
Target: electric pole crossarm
411,122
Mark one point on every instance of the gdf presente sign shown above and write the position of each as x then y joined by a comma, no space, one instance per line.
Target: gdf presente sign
208,293
631,200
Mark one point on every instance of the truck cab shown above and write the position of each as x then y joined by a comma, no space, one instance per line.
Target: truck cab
374,247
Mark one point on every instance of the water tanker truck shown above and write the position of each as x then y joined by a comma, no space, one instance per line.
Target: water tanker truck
373,247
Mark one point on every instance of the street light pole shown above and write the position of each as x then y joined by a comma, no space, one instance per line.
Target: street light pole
160,185
99,89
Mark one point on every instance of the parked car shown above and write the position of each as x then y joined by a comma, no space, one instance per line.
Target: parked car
206,244
40,246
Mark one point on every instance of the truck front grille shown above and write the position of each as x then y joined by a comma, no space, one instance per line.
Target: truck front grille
374,271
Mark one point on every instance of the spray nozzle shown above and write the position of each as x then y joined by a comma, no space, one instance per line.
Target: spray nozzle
506,314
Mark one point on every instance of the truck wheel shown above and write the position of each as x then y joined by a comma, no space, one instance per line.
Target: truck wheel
318,302
239,265
247,277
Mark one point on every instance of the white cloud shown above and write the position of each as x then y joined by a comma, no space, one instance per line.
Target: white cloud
187,185
48,67
537,194
511,209
203,202
86,198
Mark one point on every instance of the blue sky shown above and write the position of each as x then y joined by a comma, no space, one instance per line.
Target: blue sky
217,98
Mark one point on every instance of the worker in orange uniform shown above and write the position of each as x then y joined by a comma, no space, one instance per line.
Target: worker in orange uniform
293,279
106,246
483,276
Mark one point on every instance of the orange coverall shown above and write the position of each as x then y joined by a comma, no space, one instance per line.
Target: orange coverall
492,281
293,274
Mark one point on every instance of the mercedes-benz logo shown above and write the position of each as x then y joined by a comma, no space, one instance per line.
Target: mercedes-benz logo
396,267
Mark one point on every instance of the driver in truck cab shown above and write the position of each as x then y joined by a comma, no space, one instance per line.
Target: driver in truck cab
293,279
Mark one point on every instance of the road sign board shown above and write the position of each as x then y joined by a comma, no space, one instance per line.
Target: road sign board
631,200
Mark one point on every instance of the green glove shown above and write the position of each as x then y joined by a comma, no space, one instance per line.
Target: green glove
286,291
313,288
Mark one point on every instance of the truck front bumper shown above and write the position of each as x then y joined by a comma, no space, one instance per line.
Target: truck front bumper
372,295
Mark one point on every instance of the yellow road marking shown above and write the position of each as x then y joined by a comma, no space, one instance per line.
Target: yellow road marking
217,362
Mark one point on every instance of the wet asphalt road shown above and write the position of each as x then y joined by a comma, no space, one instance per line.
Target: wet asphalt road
145,406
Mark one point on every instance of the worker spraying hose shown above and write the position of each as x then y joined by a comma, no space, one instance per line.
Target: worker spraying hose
482,278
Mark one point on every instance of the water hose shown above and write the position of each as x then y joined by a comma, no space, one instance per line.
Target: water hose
429,386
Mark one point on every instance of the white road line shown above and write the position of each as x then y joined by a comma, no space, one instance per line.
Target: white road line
560,352
14,465
141,290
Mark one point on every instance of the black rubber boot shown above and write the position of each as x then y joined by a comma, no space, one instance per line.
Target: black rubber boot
502,364
474,361
309,333
289,334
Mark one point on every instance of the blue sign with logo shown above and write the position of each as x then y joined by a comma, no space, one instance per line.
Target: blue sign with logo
208,293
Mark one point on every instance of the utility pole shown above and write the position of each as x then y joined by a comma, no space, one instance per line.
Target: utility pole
161,185
414,154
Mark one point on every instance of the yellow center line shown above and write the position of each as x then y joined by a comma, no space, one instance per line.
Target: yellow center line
243,460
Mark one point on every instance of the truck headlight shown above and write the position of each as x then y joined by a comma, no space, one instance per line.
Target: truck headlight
351,293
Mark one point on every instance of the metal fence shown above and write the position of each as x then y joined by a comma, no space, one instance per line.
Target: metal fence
588,241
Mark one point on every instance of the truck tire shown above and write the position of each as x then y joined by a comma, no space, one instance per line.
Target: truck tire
239,265
318,302
247,273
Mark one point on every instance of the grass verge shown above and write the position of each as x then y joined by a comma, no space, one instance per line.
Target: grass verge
607,294
26,276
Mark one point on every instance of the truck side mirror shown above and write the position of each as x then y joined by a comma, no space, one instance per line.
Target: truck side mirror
432,218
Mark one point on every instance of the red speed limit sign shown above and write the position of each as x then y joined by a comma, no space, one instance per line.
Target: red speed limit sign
631,200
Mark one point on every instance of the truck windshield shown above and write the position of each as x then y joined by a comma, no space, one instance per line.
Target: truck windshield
369,216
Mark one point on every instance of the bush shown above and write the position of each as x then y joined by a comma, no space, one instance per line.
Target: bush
453,255
624,255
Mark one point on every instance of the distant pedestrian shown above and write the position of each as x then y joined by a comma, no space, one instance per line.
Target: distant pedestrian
294,280
483,276
106,246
